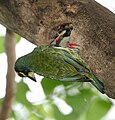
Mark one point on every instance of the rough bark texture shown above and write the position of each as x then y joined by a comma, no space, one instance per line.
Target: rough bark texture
94,29
10,86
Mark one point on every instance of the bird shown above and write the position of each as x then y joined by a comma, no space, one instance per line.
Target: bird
62,39
56,63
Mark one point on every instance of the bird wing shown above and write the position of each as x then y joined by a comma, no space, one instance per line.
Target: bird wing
75,60
84,73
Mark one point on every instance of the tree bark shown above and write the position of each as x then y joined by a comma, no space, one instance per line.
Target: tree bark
94,29
10,42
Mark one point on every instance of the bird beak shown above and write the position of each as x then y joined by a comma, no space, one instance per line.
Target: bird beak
32,76
60,35
57,39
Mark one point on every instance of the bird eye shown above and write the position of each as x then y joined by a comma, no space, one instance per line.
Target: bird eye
21,74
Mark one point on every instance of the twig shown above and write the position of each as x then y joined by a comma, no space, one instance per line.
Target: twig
10,41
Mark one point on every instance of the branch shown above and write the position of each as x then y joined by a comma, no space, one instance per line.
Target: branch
94,29
10,40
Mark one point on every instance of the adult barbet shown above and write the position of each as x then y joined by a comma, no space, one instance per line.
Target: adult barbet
56,63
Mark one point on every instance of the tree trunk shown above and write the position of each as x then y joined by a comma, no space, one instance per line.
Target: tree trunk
94,29
10,77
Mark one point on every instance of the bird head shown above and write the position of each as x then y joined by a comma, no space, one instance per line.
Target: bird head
63,37
58,39
24,72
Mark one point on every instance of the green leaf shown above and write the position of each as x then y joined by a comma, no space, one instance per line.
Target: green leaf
2,44
22,89
13,114
18,38
49,85
2,38
34,117
86,104
81,101
44,110
98,109
84,101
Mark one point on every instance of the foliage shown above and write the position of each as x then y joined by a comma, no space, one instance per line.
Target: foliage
63,101
2,38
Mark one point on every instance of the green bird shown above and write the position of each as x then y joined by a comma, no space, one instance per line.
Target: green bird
56,63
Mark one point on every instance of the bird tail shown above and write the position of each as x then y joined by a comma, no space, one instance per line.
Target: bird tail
98,84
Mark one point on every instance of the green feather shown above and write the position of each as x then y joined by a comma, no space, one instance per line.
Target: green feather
58,63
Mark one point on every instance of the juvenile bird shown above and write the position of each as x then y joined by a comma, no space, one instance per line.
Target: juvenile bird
62,39
56,63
